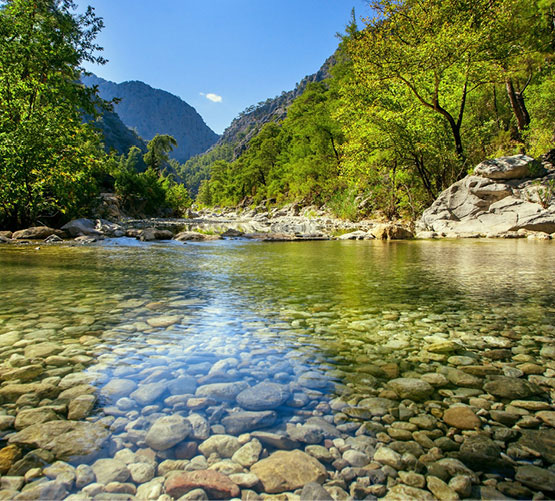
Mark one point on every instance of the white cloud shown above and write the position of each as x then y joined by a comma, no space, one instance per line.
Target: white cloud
212,97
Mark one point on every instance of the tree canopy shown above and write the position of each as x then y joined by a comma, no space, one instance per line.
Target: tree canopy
47,155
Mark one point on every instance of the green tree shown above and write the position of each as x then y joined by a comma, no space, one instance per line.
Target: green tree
158,149
437,49
48,158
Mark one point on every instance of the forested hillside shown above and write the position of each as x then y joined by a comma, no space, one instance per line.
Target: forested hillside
419,94
236,138
53,159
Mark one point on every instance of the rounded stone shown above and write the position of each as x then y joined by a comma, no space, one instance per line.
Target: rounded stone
411,388
110,470
263,396
461,417
288,470
167,431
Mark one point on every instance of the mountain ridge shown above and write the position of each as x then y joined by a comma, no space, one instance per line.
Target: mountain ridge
151,111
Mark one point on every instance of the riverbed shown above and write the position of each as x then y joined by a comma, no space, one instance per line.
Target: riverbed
232,368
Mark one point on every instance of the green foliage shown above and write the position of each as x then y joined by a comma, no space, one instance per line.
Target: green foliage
424,92
296,159
49,160
147,193
158,149
197,169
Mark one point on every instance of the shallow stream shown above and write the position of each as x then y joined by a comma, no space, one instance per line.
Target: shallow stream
400,369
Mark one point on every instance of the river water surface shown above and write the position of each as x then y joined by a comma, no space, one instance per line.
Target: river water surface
336,349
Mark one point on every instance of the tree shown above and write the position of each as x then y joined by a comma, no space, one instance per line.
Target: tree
522,42
48,157
438,49
158,149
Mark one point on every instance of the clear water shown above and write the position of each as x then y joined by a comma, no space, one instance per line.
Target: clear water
339,309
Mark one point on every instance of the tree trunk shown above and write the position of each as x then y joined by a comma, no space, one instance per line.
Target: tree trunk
518,106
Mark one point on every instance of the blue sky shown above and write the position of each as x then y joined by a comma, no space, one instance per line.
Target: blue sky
220,56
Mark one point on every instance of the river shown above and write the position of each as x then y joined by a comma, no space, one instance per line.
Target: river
374,368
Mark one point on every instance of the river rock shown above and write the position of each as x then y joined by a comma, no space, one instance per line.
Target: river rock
117,388
248,454
110,470
276,440
80,407
183,385
66,439
81,227
391,231
84,475
537,478
389,457
36,233
28,417
548,417
402,492
313,491
540,441
378,406
145,394
461,417
215,484
480,451
167,431
224,445
313,379
263,396
200,426
356,458
288,470
8,455
440,489
241,422
185,236
42,350
511,387
150,234
9,338
221,391
43,490
164,320
11,392
411,388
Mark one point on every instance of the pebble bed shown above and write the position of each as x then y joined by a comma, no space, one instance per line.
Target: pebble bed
269,371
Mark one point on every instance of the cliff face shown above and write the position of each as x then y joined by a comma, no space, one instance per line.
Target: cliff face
151,111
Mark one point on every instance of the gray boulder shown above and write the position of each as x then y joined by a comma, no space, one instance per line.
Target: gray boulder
515,167
81,227
500,199
36,233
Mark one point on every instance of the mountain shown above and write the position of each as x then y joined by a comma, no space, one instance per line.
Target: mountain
235,139
250,121
117,136
151,111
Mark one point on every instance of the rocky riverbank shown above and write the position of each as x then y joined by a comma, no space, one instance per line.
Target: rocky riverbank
509,197
283,224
